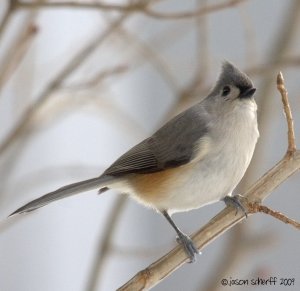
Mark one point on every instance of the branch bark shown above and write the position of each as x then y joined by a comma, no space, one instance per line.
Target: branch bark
288,114
255,207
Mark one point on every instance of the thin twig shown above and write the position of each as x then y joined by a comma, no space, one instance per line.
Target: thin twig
135,6
8,13
147,53
190,14
139,7
106,243
14,56
98,78
254,207
288,114
287,61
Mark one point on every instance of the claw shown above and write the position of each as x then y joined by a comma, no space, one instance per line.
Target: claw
235,201
188,246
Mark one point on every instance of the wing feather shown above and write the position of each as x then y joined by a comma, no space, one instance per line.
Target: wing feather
171,146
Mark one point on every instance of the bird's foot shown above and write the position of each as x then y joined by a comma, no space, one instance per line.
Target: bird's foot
188,246
235,201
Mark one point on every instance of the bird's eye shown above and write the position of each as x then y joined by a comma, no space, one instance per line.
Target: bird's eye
225,91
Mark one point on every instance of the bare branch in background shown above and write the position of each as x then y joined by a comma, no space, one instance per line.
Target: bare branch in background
16,53
137,7
150,55
106,244
6,18
266,69
132,7
190,14
98,78
57,82
288,114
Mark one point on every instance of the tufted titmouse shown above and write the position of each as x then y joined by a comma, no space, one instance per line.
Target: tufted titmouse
197,158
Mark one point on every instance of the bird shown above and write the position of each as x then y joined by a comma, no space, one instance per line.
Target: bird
196,158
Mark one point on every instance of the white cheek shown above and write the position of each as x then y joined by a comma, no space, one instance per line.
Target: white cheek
235,92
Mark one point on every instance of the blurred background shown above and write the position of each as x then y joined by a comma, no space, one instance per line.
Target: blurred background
81,82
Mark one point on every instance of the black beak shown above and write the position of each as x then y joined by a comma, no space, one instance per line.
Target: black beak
247,93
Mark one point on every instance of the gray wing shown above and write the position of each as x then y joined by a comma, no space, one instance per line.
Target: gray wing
171,146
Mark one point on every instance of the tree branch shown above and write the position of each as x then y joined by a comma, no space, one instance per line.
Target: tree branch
105,248
255,207
82,5
6,18
190,14
224,220
288,114
98,78
138,7
16,53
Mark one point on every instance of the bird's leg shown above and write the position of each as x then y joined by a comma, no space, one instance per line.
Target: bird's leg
188,245
235,201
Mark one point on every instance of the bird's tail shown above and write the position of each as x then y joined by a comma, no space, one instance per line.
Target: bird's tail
64,192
